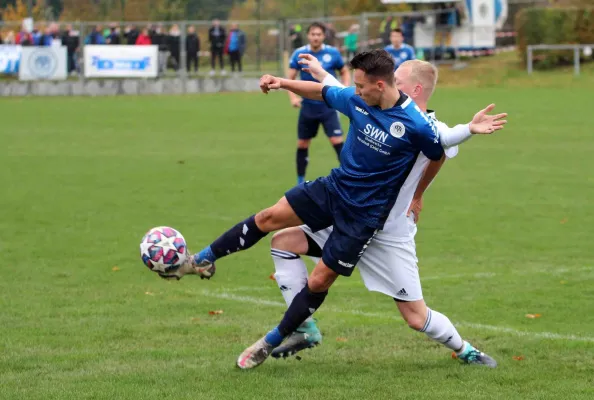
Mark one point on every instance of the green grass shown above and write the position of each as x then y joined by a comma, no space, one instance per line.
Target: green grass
506,231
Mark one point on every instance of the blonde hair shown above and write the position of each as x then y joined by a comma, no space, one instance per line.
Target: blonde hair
423,72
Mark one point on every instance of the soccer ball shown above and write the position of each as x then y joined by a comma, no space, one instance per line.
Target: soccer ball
163,249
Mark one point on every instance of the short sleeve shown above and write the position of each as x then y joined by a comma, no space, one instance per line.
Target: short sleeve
294,63
426,139
338,98
339,62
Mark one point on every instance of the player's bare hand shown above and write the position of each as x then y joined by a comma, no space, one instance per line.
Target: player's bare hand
313,66
269,82
296,102
416,206
483,123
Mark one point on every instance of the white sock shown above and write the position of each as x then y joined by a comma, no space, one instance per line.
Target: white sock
439,328
291,274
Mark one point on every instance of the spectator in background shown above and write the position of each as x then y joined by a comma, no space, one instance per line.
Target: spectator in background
95,37
192,49
51,37
131,34
235,47
10,38
114,35
71,40
173,42
386,28
330,35
295,36
351,41
24,38
144,39
408,29
399,50
159,39
217,37
36,36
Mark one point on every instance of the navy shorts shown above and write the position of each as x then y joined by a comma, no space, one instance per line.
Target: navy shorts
310,118
319,208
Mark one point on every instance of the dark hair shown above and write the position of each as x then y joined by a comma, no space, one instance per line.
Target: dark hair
317,25
377,64
397,30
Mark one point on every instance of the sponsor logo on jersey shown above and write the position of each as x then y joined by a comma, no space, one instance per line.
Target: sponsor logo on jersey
397,129
375,133
362,111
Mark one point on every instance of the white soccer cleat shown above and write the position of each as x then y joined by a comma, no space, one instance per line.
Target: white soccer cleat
254,355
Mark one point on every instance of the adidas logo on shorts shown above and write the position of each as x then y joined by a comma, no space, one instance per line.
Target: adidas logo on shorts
402,292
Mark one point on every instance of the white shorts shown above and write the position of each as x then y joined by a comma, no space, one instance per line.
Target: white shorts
386,266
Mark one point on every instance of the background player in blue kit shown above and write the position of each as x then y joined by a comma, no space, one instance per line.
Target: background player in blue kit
399,50
313,112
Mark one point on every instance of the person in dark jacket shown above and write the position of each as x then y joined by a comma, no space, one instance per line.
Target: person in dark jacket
192,49
71,40
173,42
217,37
114,35
235,47
131,34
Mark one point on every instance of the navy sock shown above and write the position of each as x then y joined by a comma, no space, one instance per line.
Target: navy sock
303,306
302,160
338,149
241,237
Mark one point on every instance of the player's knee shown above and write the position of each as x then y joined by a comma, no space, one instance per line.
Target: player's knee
321,279
303,143
266,220
289,240
336,140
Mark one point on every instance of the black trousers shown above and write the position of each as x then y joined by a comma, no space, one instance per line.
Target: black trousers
192,58
235,58
214,53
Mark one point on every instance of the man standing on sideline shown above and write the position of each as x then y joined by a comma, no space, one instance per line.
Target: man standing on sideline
217,37
313,113
235,47
399,50
192,49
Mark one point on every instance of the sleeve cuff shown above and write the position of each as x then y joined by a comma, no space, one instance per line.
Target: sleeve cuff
324,91
329,80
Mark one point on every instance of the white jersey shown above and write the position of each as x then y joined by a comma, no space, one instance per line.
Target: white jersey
399,228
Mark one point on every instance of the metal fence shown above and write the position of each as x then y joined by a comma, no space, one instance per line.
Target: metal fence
269,41
553,47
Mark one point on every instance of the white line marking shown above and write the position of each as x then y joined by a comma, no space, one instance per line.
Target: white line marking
225,295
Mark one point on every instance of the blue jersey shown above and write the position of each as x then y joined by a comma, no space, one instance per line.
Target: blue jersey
379,153
404,53
328,56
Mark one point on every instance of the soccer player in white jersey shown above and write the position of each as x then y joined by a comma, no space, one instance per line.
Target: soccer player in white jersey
389,265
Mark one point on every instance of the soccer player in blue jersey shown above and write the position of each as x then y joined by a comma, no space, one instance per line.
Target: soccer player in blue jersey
399,50
312,113
386,134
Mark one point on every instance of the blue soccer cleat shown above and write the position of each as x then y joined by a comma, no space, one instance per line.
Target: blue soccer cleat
305,337
471,355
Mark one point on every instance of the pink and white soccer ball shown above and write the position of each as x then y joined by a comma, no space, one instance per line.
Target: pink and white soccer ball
163,249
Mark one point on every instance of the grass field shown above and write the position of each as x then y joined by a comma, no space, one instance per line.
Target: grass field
506,231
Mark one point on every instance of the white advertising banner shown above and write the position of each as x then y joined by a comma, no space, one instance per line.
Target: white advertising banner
43,63
105,61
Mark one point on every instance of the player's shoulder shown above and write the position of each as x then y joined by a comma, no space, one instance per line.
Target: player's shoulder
331,49
300,50
420,120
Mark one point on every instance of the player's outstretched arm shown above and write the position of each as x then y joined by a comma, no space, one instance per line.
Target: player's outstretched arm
310,90
482,124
